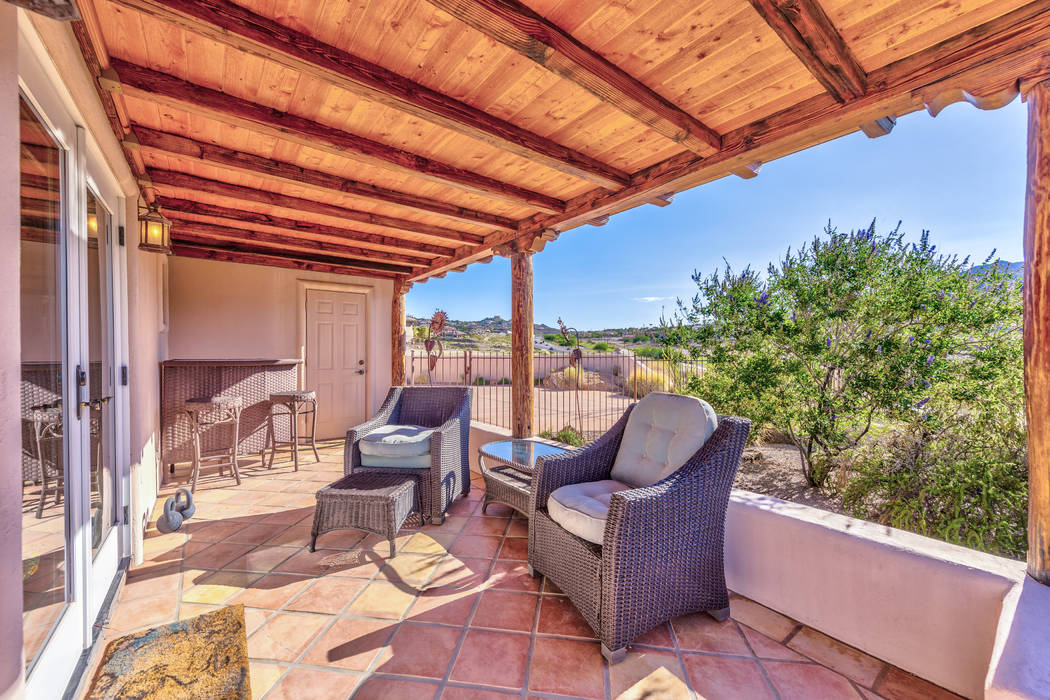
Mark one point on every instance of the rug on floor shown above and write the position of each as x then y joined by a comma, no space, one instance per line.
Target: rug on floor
202,657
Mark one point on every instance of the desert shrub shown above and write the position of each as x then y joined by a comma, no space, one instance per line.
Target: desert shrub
504,381
559,339
567,379
421,379
649,352
568,435
644,380
480,381
850,331
601,346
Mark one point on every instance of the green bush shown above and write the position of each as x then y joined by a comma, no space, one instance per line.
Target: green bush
504,381
568,435
480,381
649,352
601,346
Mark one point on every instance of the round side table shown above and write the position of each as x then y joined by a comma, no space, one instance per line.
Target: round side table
507,467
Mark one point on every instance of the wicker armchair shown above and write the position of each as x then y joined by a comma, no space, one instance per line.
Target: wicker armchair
448,410
661,555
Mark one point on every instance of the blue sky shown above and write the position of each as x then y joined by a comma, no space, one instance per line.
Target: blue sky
961,176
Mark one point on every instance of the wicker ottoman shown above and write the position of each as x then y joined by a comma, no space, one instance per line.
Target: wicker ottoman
378,503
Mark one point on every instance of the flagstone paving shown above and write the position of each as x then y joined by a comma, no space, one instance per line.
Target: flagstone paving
453,615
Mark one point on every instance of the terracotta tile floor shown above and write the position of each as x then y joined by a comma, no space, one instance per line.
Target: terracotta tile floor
454,615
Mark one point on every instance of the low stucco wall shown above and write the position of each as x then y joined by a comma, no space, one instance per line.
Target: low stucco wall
926,606
481,433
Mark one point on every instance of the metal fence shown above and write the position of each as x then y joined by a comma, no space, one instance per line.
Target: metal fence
589,400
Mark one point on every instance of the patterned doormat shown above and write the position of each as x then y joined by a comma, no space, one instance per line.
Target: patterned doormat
202,657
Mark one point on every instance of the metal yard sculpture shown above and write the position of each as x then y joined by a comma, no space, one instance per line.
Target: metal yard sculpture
575,363
432,345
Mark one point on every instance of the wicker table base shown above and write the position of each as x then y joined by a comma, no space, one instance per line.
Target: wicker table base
507,466
378,503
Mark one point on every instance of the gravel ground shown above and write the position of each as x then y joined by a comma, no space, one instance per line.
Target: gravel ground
776,470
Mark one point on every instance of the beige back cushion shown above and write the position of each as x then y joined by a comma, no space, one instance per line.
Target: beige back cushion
663,432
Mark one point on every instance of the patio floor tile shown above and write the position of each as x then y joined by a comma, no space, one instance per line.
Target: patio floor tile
284,636
762,619
219,587
639,669
383,599
478,546
514,576
835,655
700,632
455,692
765,648
350,644
413,569
271,591
724,678
379,688
327,595
808,681
420,650
486,526
263,676
314,684
141,612
506,610
559,616
450,606
262,558
567,667
515,549
492,658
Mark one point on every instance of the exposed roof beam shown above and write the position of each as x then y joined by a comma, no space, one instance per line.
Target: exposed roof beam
238,254
995,55
805,28
161,88
246,31
170,178
516,26
176,146
287,242
662,200
878,127
173,207
747,171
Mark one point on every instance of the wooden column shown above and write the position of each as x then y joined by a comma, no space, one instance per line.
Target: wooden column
521,346
397,332
1037,329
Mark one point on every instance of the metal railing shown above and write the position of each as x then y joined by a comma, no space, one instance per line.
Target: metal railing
590,400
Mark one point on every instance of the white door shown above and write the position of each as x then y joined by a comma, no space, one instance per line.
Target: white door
336,361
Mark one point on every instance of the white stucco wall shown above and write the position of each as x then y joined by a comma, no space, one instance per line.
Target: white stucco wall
926,606
219,310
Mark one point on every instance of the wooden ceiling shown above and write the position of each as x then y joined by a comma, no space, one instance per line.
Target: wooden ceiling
406,138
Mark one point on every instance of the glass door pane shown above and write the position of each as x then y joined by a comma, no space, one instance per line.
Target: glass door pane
100,375
44,502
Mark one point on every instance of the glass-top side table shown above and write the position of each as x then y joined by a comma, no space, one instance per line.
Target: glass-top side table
507,466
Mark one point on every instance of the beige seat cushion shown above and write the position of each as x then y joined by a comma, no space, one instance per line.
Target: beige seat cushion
663,432
417,462
583,508
397,441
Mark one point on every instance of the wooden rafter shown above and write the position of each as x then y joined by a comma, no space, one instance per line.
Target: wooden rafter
171,178
222,254
229,216
253,248
994,55
293,242
805,28
173,145
516,26
168,90
246,31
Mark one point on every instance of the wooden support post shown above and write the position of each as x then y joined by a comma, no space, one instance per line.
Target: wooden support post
1037,330
521,346
397,332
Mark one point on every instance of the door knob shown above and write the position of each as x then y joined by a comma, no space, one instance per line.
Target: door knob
360,371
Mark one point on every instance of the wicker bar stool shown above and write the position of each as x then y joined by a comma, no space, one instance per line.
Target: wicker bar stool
207,411
295,404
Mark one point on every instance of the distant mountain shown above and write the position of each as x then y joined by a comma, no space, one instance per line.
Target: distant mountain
1015,269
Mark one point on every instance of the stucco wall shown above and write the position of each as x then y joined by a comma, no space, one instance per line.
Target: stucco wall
926,606
11,663
219,310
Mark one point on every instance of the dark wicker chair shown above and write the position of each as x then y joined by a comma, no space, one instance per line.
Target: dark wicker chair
661,556
444,408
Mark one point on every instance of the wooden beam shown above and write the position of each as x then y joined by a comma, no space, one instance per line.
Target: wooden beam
297,243
805,28
397,332
61,10
1037,330
878,127
241,254
161,88
662,200
177,208
173,145
747,171
516,26
522,376
170,178
246,31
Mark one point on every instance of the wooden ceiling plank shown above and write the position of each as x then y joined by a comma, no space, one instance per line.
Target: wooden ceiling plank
805,28
516,26
294,242
163,143
222,254
322,258
164,89
172,178
174,206
246,31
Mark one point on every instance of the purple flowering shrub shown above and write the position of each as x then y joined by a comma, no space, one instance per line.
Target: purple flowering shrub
853,336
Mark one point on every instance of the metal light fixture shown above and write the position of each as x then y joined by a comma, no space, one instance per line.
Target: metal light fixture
154,231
